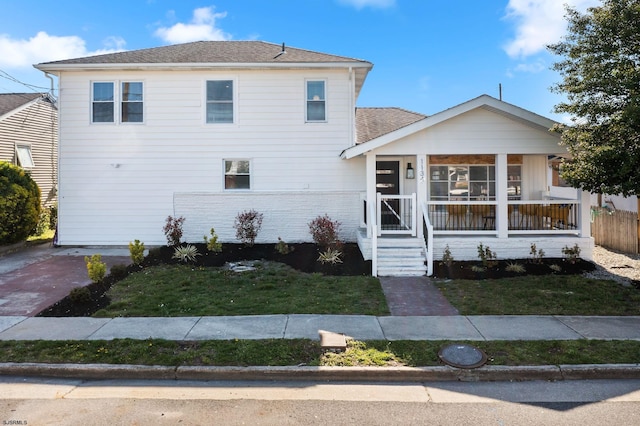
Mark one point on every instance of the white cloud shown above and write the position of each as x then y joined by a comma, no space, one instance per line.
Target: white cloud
201,27
539,23
15,53
360,4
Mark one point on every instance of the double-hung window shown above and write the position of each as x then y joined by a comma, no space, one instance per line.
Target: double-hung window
220,101
102,106
132,103
237,174
316,101
110,105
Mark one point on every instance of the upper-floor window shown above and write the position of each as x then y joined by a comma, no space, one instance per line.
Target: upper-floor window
316,101
237,174
220,101
102,107
132,103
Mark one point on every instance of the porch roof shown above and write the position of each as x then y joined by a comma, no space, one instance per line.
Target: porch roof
487,102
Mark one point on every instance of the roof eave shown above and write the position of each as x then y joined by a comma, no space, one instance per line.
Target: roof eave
199,65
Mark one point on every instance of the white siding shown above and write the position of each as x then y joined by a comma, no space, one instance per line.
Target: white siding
118,180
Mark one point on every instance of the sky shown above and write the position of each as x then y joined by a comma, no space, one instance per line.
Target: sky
428,55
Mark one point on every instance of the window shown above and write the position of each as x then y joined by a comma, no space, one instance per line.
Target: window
462,182
316,104
514,184
102,107
25,160
132,102
220,101
237,174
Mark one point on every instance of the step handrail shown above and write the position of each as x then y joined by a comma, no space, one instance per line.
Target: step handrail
427,237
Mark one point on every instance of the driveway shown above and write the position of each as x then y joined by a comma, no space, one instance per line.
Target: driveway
35,277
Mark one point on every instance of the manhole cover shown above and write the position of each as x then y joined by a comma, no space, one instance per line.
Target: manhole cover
462,356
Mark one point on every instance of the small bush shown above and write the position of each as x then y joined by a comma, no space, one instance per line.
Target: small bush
53,216
536,255
43,223
80,295
136,252
330,256
96,268
571,254
186,253
555,268
173,230
447,257
487,256
19,204
212,242
515,267
325,232
282,247
247,225
119,272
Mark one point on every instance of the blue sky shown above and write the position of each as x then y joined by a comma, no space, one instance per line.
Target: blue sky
428,55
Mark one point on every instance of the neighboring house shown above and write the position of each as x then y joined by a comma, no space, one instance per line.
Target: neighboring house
207,130
29,138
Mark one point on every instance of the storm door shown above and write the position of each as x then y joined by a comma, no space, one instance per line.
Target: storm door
388,183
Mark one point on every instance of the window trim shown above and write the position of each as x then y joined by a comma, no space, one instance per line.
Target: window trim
234,102
113,102
117,102
307,100
122,101
29,153
225,174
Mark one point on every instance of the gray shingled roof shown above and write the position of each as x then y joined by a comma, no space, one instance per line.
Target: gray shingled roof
375,122
214,52
11,101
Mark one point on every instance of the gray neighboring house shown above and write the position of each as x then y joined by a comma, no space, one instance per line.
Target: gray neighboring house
29,138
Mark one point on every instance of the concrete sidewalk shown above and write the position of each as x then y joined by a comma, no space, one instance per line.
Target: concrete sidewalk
360,327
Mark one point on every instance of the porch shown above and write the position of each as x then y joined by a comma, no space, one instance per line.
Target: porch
510,230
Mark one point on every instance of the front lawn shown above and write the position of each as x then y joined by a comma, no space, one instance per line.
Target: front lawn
541,295
271,288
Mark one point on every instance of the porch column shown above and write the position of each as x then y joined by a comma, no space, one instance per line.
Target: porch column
371,190
421,188
502,197
585,213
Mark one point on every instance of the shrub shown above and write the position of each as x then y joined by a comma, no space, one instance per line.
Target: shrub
282,247
53,216
186,253
487,256
19,204
80,295
536,255
330,256
173,230
136,252
119,272
572,254
515,267
212,243
325,232
43,223
248,224
96,268
447,257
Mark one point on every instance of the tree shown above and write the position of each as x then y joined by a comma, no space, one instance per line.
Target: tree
601,80
19,204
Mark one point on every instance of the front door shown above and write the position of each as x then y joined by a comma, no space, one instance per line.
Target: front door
388,183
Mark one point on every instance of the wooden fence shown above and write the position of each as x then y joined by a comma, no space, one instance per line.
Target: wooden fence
617,230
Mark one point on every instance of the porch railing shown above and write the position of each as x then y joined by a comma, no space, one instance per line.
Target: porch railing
530,216
427,230
397,214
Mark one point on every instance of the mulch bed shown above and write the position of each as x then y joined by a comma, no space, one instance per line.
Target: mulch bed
466,270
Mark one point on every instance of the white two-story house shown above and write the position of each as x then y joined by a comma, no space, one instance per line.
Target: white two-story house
207,130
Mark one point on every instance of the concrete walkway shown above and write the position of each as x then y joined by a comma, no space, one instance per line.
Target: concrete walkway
360,327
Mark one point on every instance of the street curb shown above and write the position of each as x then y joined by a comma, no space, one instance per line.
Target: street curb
333,374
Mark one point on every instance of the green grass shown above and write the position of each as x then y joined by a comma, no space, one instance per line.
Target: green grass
280,352
541,295
272,288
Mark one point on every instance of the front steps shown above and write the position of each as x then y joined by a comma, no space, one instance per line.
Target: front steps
401,257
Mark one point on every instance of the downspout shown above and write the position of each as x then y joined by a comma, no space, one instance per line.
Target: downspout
352,108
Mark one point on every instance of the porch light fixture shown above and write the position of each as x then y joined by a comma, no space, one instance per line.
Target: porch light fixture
411,174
